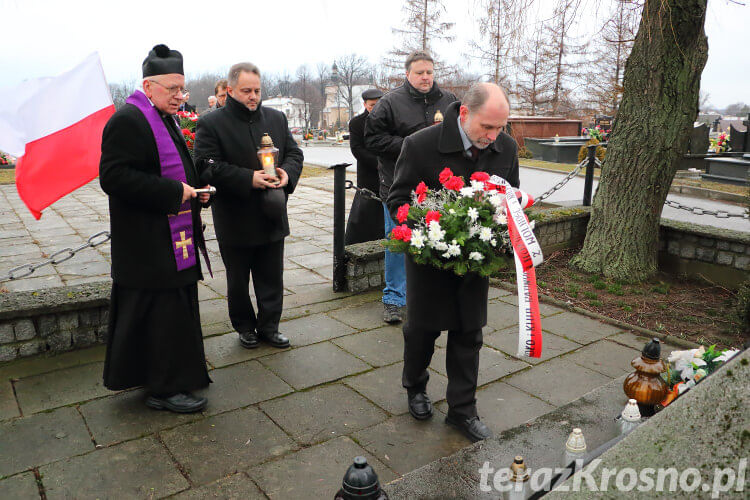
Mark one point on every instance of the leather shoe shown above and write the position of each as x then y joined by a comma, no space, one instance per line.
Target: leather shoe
276,339
183,402
420,406
249,340
392,314
471,427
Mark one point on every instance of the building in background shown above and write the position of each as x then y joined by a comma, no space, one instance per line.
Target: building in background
294,108
337,106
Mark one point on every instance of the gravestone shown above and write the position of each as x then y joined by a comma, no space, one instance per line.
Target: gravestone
698,145
737,139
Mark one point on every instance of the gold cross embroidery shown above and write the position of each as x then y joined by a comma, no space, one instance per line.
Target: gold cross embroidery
183,243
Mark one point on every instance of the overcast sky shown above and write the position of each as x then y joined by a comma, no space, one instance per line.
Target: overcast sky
45,37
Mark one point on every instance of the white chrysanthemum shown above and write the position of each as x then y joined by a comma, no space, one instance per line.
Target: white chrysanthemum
439,245
493,242
476,256
477,185
467,191
435,232
474,230
452,212
417,239
496,200
500,219
473,214
454,250
485,234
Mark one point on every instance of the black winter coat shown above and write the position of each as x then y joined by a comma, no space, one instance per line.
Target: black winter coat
438,299
366,216
398,114
139,201
226,154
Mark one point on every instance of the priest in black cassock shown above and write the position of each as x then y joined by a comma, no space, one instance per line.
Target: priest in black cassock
366,216
154,336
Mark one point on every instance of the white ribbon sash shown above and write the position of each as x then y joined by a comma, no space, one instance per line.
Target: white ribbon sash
527,255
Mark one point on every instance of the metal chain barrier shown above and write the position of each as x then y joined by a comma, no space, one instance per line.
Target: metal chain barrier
56,258
560,184
721,214
363,191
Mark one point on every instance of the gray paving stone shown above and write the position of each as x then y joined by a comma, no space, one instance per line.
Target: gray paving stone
367,315
42,438
45,364
29,284
241,385
124,416
501,314
544,308
317,471
205,293
322,413
495,292
237,486
577,327
639,341
312,365
383,387
558,381
224,350
325,271
8,405
296,277
300,248
501,406
320,259
217,328
404,443
379,347
506,340
218,446
214,311
136,469
606,357
60,388
22,486
312,329
492,364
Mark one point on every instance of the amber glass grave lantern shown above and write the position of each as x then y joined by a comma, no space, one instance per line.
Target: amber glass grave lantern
268,155
438,117
645,385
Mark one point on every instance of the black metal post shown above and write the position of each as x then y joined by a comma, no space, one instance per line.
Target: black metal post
589,183
339,226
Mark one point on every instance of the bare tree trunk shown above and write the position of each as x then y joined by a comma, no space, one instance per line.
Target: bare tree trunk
659,105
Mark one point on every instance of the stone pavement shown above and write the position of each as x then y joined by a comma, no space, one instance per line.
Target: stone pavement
280,424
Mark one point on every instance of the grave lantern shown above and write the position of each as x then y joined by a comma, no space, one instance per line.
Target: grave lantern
575,449
645,385
361,483
268,155
518,487
438,117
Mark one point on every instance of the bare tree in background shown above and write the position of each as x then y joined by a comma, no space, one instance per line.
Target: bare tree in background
501,25
284,87
307,91
534,76
202,86
353,70
422,27
612,48
121,91
562,50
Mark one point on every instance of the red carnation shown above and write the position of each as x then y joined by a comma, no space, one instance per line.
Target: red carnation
445,175
421,188
403,213
421,197
432,215
401,232
480,176
454,183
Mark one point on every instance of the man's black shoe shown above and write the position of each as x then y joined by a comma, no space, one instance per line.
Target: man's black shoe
420,406
276,339
471,427
249,340
183,402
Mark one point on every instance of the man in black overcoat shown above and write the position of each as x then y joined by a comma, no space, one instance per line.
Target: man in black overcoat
416,104
250,213
470,139
154,335
366,216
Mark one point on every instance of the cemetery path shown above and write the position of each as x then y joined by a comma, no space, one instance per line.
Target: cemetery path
280,424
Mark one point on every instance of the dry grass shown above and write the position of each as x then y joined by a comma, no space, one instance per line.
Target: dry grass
7,176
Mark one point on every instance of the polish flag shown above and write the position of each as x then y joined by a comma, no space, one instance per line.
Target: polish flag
54,125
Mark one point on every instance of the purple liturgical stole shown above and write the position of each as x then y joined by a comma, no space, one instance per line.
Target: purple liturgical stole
180,225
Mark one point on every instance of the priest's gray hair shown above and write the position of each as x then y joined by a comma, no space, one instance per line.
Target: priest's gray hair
234,71
477,95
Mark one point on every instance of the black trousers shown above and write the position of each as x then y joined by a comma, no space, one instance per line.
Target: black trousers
462,365
266,265
155,340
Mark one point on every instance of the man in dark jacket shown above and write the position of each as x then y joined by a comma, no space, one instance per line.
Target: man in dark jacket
469,140
366,216
250,215
154,336
416,104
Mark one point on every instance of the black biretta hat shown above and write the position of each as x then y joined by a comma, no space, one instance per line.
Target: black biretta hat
161,61
371,94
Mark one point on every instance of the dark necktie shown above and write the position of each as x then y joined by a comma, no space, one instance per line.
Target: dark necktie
474,151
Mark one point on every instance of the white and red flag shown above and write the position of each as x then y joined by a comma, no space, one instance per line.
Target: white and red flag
54,126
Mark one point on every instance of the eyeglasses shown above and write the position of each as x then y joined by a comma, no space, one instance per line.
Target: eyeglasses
173,91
